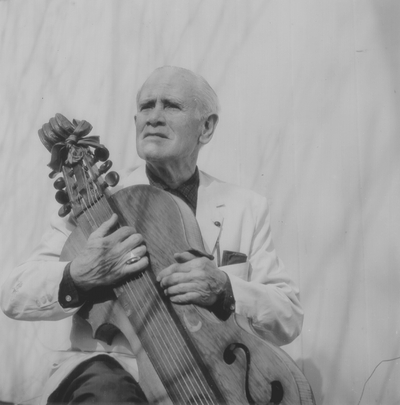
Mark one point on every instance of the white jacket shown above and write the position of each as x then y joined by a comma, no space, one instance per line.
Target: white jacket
263,291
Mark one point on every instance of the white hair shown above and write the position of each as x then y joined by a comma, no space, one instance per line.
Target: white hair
205,96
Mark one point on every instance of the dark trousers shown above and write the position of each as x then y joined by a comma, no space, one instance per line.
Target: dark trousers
100,380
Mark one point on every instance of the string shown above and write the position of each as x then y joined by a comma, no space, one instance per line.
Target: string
158,304
187,353
176,356
84,206
89,216
94,196
89,188
174,337
186,350
146,325
100,206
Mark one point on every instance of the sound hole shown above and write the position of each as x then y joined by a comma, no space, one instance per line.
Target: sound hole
276,393
276,386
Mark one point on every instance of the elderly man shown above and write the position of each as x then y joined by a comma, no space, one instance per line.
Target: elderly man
177,113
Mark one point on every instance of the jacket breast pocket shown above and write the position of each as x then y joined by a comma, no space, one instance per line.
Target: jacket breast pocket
240,270
230,257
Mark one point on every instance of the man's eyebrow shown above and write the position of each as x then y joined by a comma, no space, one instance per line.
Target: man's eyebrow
146,101
172,100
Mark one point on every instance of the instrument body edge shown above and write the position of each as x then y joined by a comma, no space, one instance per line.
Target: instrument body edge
168,226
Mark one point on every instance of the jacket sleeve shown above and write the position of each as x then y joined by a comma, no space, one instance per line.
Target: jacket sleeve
267,295
31,290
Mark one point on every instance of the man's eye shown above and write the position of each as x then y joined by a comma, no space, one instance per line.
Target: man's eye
145,107
172,105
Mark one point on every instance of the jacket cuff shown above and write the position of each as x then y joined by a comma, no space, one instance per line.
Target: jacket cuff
224,307
69,295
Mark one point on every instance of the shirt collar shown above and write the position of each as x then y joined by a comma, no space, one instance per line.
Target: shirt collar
187,191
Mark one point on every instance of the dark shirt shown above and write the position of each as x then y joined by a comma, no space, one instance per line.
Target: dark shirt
186,191
70,296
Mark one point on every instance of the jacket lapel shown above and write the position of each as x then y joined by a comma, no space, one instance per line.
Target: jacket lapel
210,211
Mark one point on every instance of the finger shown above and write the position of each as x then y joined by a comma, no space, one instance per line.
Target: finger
124,238
125,270
106,227
135,255
129,239
187,298
178,277
136,267
168,271
184,257
180,288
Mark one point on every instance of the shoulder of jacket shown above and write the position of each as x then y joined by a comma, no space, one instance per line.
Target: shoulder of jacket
232,191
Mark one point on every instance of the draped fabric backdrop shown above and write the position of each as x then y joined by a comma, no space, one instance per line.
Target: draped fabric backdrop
310,118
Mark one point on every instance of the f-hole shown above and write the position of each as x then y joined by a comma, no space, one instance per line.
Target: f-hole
276,393
276,386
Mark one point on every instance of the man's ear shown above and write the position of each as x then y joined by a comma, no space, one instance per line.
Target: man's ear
209,125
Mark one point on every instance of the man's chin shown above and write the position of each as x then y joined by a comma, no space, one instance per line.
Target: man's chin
153,155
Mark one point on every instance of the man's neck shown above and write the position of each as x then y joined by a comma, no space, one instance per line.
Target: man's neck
171,176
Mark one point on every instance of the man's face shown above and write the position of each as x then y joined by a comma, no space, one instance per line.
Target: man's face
168,126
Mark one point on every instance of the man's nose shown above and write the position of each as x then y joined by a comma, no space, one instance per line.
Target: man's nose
156,116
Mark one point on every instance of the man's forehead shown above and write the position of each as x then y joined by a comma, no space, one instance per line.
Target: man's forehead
167,83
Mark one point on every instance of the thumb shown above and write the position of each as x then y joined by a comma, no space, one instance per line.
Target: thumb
184,257
105,228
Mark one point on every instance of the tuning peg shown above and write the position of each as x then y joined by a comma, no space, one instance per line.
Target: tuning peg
101,154
105,167
64,210
112,179
59,184
62,197
52,174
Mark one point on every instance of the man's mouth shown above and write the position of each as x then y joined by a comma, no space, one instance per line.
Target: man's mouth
155,134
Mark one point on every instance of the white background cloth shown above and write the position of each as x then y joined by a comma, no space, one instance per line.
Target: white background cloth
310,118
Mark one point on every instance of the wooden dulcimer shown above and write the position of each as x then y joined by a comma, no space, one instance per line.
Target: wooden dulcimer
186,355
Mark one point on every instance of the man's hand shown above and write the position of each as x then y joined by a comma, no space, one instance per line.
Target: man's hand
103,261
192,280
